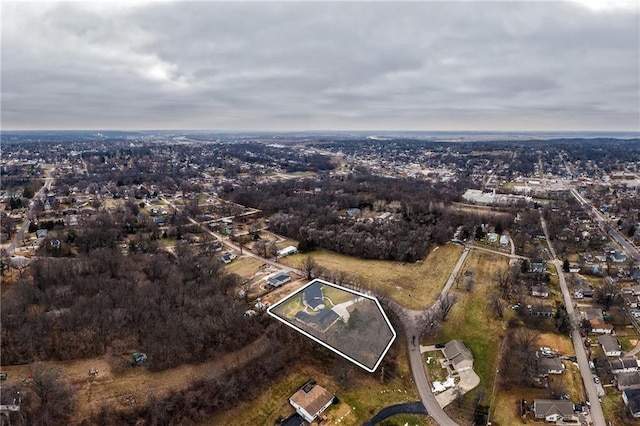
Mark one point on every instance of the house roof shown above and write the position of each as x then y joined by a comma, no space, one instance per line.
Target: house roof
547,364
548,407
626,362
320,322
627,379
609,343
312,398
633,396
456,352
599,324
313,295
279,278
540,289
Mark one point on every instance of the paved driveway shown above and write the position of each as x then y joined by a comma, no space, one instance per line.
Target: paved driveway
468,380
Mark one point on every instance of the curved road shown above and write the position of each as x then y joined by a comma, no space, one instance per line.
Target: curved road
412,327
410,321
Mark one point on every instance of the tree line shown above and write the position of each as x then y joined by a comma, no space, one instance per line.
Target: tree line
312,211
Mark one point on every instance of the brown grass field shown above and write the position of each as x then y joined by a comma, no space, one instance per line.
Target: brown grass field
244,266
413,285
136,382
561,343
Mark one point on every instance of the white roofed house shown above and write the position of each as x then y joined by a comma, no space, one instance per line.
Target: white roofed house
540,291
287,251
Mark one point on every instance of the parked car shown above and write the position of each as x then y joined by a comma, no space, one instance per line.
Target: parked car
440,345
139,358
596,379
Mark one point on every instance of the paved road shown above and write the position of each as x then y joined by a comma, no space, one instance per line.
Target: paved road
412,328
25,223
629,248
233,246
498,252
597,415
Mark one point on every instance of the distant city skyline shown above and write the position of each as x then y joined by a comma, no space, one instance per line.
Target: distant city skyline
305,66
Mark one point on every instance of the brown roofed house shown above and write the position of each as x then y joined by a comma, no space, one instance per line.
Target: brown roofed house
311,400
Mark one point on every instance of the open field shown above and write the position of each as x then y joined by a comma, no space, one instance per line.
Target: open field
244,266
472,321
472,208
557,342
359,401
413,285
137,383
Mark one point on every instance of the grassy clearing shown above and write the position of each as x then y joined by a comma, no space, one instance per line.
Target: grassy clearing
557,342
436,372
244,266
509,404
612,405
471,319
473,322
413,285
574,382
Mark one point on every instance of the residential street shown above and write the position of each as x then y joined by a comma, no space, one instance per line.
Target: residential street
597,415
629,248
25,223
233,246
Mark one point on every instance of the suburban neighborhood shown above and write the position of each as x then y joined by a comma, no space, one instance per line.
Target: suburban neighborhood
519,305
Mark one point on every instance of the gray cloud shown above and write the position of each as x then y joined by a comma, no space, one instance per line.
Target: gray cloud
280,66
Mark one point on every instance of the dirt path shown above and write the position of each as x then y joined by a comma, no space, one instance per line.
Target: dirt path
134,385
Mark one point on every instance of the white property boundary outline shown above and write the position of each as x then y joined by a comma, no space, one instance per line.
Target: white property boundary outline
326,345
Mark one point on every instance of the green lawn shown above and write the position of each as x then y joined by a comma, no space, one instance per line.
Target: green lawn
472,321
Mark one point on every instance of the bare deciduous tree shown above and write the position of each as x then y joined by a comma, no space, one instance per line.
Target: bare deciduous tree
260,247
56,398
447,301
309,266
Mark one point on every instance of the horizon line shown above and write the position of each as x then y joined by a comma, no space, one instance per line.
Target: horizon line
320,130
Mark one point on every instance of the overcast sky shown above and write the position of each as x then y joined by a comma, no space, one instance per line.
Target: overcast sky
314,66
